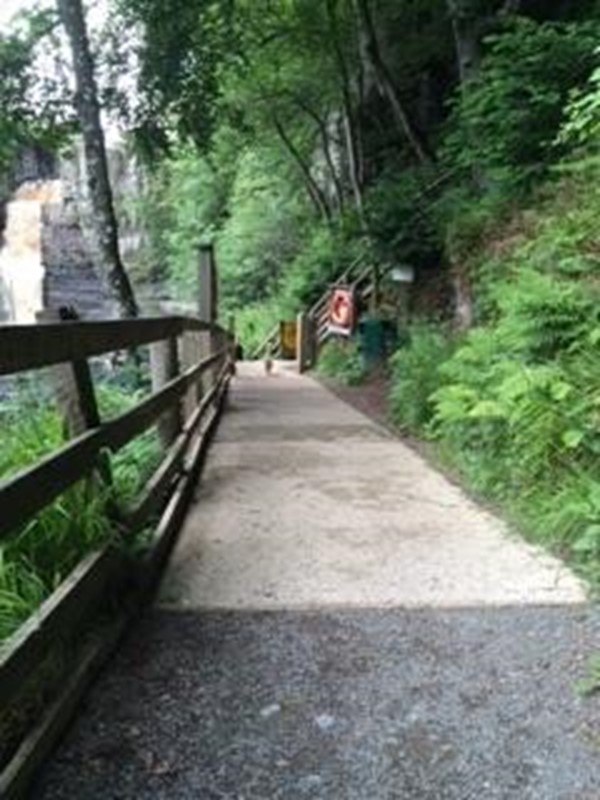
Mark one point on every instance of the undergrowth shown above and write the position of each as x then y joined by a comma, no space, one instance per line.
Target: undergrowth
514,404
415,376
340,359
36,558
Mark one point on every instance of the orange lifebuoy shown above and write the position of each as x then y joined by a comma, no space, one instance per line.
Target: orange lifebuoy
341,309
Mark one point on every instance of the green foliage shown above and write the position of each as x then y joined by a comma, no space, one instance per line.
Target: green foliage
274,256
33,107
399,220
515,406
340,359
415,376
133,466
591,683
23,443
193,201
326,252
582,126
184,45
21,592
467,219
36,558
504,123
264,232
282,89
255,322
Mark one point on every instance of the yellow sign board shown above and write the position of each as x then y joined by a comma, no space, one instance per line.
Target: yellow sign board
287,338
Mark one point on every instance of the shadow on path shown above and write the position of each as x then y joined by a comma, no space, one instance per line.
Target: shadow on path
343,705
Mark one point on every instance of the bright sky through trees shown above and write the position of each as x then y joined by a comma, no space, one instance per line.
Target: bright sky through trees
8,8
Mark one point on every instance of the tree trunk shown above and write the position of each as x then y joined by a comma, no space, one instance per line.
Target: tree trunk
354,160
316,195
387,86
360,104
463,300
324,134
350,123
104,222
466,28
469,30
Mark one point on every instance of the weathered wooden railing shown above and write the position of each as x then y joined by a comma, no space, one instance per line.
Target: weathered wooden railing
317,317
91,608
313,324
270,345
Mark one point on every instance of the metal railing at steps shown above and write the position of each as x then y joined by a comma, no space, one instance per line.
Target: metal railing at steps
361,279
357,275
269,347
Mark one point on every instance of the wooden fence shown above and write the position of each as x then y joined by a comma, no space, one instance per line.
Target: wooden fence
192,366
313,324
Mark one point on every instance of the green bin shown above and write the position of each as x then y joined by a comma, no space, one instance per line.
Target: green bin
372,340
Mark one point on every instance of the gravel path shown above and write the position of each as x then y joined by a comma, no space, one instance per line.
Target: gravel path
340,622
358,705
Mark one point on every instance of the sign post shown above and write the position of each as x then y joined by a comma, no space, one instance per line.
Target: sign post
342,310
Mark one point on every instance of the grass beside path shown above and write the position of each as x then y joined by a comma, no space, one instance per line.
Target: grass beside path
35,559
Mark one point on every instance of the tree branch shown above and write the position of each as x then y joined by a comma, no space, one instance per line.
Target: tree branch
325,139
351,128
510,7
316,195
387,85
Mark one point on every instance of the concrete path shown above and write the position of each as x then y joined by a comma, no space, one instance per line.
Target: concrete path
340,622
309,504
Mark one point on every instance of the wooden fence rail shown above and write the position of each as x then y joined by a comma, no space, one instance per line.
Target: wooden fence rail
362,277
25,347
109,573
358,275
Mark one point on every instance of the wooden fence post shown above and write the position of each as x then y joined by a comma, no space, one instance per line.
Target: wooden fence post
190,355
72,384
305,342
75,396
207,306
207,284
164,366
196,345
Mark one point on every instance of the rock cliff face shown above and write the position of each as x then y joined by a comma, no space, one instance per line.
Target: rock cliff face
46,256
70,278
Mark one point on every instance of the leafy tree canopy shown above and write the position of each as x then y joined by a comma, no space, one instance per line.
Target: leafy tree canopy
34,108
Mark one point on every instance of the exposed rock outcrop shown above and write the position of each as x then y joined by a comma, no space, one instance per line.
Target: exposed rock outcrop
46,252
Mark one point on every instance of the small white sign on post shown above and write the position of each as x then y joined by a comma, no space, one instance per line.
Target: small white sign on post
403,273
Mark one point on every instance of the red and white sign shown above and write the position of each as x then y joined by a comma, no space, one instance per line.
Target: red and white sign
341,311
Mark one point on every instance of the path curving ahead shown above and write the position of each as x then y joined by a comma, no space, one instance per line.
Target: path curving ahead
339,621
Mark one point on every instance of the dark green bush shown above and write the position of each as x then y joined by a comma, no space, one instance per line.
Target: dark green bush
514,404
506,121
340,359
517,405
416,375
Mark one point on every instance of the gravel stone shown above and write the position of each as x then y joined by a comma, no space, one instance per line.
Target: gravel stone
473,704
